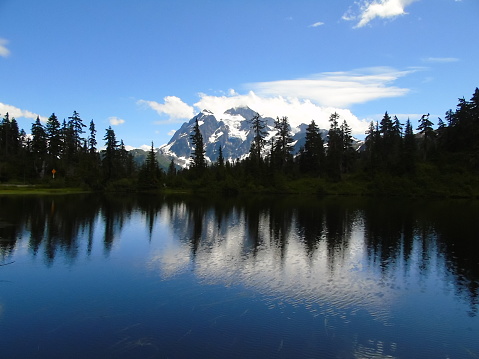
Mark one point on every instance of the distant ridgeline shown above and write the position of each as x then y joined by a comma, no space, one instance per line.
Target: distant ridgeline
242,151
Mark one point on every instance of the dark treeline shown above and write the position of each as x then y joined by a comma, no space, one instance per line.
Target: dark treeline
432,159
65,154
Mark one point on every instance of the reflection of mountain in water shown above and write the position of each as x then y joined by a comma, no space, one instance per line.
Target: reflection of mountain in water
337,250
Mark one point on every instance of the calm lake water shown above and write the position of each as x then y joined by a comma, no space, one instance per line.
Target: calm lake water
94,276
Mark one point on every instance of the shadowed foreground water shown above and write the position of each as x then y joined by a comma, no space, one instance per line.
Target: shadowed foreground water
194,277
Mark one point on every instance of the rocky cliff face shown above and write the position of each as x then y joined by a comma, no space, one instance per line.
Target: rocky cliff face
231,130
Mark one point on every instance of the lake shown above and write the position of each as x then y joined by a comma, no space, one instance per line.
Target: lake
151,276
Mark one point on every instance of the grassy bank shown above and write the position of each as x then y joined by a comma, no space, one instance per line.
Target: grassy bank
12,189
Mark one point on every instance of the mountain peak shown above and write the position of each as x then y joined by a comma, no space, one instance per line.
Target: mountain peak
243,111
232,132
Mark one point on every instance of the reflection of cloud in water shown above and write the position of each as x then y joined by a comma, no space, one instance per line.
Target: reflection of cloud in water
170,260
328,283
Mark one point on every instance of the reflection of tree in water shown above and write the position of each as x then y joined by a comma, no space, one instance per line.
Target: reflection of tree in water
53,223
150,206
338,221
58,223
458,237
253,216
115,211
389,232
396,234
396,231
280,221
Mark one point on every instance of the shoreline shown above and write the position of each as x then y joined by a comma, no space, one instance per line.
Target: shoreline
309,187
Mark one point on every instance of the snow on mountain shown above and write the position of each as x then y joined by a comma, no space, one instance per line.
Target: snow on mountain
231,130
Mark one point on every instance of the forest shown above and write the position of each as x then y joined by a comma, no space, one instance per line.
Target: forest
434,159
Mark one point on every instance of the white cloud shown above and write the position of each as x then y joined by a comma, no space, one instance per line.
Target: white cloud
171,133
173,106
302,100
338,89
115,121
18,113
440,59
316,24
371,9
298,111
4,52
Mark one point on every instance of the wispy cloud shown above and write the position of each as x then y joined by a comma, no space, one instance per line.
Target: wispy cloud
173,107
440,59
4,51
317,24
338,89
371,9
301,100
115,121
19,113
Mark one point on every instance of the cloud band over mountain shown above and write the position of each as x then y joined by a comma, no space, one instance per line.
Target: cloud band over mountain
314,97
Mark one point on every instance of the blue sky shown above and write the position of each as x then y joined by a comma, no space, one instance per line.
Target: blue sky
145,67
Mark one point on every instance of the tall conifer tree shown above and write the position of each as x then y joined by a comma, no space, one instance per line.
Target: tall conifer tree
198,154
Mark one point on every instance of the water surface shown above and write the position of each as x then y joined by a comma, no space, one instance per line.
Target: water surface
193,277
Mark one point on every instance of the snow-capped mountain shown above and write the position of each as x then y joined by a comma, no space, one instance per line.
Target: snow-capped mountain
231,130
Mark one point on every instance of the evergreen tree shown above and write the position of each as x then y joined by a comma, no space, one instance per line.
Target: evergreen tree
441,133
312,155
389,142
76,126
16,137
124,161
150,173
409,149
110,154
53,131
258,127
39,147
39,138
67,142
386,126
397,128
428,134
466,127
10,142
348,153
5,136
372,146
198,154
335,148
12,154
220,161
92,138
282,145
